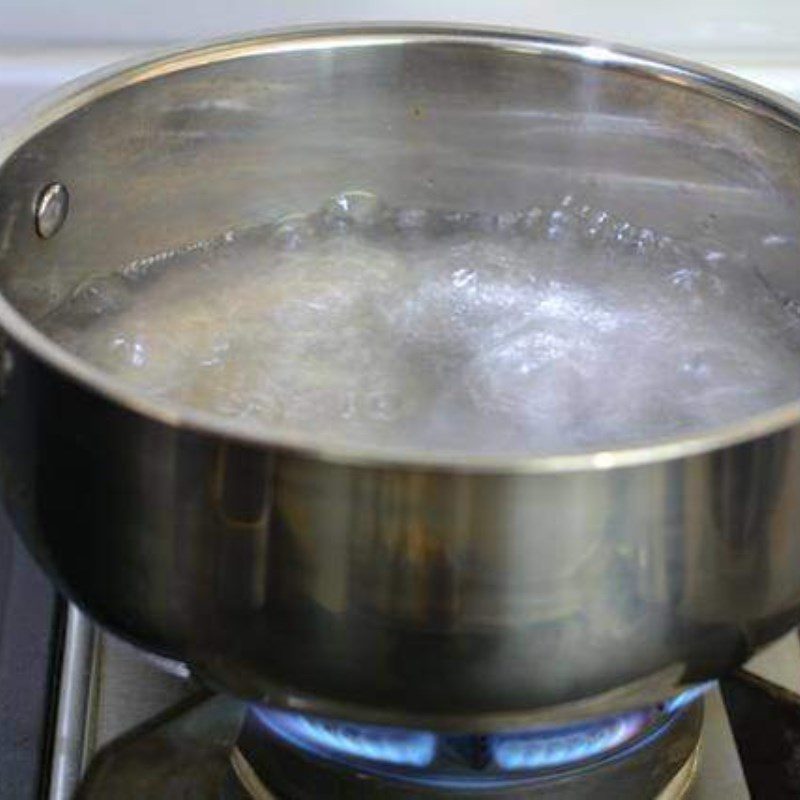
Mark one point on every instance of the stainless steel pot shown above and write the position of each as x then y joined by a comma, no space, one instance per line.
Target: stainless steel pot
420,588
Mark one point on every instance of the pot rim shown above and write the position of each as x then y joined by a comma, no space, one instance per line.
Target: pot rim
97,84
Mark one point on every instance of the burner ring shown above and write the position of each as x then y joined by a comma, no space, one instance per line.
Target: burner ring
295,757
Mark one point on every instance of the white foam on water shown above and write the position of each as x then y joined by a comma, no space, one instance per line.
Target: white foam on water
544,330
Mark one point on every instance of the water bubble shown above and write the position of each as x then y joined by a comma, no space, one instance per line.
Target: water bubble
148,266
507,221
352,209
685,279
714,256
293,231
559,224
411,220
678,252
597,227
696,366
464,277
625,234
646,241
39,295
778,240
697,283
125,350
455,221
99,296
665,244
532,222
791,306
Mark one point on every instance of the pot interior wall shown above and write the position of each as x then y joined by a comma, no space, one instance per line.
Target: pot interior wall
195,149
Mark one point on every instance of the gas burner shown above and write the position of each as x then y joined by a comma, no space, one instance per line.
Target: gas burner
456,761
298,757
207,747
217,748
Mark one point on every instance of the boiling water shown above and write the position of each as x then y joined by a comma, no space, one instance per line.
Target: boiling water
548,329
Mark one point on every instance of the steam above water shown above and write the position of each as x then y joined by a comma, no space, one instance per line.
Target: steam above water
550,329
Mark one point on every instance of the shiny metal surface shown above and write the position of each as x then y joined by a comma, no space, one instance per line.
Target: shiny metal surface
106,689
71,739
415,588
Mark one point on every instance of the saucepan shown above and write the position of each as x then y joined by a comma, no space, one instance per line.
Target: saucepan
402,585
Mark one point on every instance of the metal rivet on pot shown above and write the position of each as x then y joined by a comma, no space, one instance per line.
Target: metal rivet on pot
51,209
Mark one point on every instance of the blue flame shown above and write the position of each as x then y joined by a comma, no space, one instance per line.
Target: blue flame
471,762
686,697
396,746
531,750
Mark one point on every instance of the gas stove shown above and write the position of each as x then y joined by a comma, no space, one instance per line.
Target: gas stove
129,725
205,746
85,715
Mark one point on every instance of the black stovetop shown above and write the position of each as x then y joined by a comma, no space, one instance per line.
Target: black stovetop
29,623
